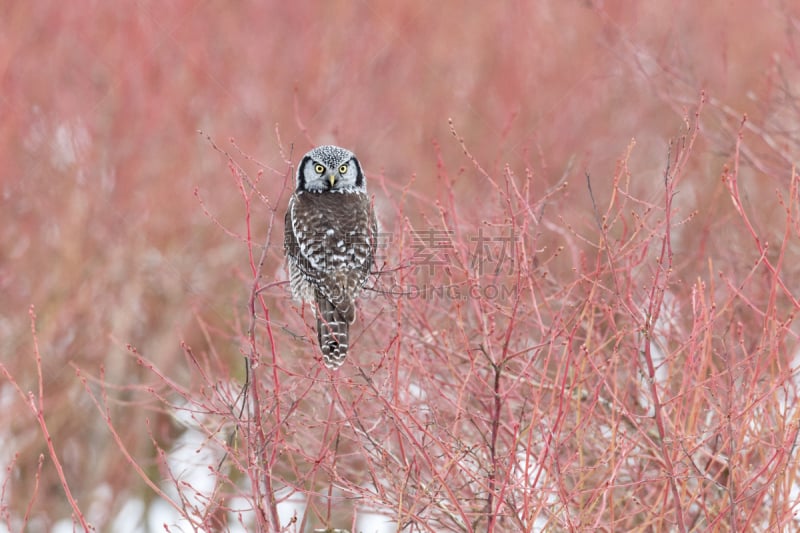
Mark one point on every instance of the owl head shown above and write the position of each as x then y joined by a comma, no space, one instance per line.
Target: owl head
330,169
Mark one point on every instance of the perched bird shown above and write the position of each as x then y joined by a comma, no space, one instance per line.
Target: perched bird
329,241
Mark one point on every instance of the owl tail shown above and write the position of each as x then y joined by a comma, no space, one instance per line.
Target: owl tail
332,332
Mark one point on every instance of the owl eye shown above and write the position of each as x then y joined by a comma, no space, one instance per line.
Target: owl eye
342,169
319,169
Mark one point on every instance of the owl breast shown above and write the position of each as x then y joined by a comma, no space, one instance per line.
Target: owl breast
329,243
333,231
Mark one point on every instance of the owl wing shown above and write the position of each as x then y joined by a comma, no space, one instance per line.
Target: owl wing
301,271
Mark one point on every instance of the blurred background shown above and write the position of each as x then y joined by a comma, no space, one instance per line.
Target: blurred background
113,204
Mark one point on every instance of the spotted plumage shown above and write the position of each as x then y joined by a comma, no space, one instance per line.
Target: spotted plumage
329,243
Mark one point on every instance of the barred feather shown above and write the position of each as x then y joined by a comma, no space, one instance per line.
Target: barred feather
332,334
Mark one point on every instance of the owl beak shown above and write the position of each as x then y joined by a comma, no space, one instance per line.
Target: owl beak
332,179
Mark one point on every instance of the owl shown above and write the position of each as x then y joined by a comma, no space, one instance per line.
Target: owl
329,241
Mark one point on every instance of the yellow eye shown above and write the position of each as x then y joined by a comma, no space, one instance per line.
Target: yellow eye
342,169
319,169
